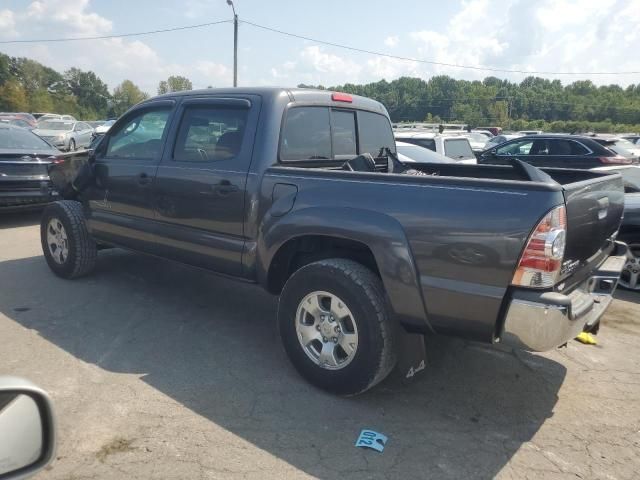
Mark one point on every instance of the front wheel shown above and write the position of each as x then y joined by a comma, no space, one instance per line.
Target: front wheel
335,326
72,145
68,248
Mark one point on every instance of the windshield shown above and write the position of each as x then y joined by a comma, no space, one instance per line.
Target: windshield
53,125
458,148
420,154
21,140
626,144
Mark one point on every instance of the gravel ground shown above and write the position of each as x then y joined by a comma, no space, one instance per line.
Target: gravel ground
158,371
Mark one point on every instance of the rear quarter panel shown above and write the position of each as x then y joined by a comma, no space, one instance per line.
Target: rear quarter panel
447,244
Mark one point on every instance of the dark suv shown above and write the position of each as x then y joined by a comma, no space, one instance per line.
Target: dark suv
562,151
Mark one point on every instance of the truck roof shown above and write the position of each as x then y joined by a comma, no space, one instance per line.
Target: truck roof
299,95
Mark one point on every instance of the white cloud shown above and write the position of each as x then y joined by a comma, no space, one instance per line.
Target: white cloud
7,23
546,35
118,58
391,41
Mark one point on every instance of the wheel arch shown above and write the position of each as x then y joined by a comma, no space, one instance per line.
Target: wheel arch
373,239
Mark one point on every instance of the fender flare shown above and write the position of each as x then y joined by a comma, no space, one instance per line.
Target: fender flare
383,235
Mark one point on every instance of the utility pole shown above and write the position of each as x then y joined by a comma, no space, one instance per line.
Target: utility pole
235,43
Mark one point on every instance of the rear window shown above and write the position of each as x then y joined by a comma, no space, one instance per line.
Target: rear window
344,133
306,134
21,139
375,133
458,148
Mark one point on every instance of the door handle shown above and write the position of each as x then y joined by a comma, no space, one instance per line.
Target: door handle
225,187
143,178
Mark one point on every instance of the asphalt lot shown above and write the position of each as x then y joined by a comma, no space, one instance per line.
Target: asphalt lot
159,371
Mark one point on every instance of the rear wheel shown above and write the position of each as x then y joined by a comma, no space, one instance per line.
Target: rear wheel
335,326
68,248
630,277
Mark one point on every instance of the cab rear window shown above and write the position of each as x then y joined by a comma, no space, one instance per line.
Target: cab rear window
306,134
324,133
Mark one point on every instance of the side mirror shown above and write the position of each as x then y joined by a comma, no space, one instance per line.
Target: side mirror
494,152
27,431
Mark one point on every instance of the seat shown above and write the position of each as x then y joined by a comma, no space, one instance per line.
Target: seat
228,145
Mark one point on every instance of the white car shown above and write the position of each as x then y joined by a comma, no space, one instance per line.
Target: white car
454,146
530,132
478,141
410,153
65,135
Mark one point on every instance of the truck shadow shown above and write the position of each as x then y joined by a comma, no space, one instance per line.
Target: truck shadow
211,345
22,218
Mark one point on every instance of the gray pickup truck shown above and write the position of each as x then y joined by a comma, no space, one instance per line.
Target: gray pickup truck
300,191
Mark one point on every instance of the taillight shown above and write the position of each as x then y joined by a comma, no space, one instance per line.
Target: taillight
616,160
541,259
55,159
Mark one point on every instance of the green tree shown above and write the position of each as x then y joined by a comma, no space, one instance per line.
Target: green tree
174,84
125,96
91,93
13,97
40,101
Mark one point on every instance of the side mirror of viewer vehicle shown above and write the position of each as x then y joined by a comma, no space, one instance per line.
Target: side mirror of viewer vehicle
27,431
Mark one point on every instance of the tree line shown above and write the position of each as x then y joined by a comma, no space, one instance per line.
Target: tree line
534,103
29,86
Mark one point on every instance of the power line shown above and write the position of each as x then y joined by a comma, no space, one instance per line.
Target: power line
102,37
430,62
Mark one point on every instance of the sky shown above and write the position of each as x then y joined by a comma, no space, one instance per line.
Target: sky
528,35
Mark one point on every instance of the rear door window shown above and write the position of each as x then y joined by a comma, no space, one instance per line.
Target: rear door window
209,133
306,134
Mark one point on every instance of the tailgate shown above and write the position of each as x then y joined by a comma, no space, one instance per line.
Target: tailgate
594,212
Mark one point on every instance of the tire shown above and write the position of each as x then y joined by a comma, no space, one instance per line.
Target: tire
68,248
630,277
349,286
72,145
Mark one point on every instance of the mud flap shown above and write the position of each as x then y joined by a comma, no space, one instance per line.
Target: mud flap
413,355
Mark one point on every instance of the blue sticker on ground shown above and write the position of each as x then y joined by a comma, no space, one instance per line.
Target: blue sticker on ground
371,439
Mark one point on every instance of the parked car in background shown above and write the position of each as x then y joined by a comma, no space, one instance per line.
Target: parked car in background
620,145
15,121
454,146
630,228
562,151
24,158
49,116
486,133
633,138
478,141
500,139
65,135
410,153
494,130
530,132
27,117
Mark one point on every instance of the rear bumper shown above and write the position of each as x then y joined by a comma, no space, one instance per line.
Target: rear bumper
542,321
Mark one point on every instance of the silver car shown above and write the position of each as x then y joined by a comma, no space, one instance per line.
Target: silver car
65,135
